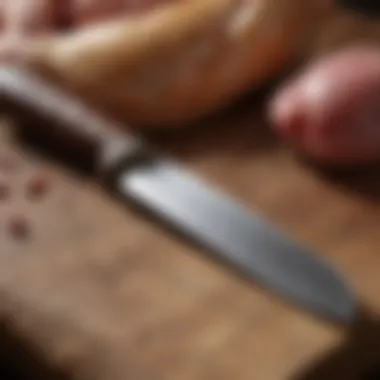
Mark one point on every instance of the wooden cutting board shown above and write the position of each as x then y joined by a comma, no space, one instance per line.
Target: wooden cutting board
95,291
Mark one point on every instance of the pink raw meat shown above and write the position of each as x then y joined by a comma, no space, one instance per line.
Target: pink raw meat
24,19
331,110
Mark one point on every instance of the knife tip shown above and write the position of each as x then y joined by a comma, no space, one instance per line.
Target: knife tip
344,309
348,310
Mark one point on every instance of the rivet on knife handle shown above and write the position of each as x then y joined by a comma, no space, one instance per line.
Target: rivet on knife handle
178,199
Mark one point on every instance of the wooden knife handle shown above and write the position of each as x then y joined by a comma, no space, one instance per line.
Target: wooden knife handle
63,121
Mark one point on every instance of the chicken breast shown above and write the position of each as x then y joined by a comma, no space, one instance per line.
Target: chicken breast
179,60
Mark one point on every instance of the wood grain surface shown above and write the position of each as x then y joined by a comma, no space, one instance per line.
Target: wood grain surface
95,291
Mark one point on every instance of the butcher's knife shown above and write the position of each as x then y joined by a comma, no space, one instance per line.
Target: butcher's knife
177,198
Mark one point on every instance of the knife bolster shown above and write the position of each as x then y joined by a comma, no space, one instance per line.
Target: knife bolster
119,154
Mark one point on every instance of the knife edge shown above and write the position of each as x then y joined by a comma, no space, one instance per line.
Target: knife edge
216,222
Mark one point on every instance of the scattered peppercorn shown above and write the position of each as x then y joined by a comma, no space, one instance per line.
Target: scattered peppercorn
18,226
37,186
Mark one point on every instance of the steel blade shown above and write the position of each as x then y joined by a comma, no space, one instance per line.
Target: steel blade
243,239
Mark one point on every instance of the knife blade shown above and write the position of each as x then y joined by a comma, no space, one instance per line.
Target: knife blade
178,198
